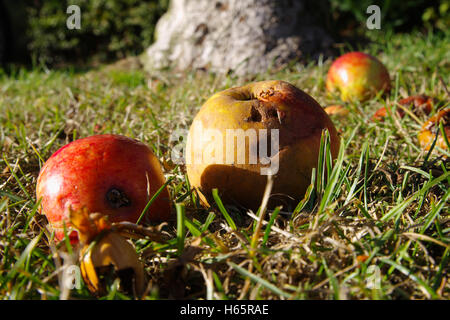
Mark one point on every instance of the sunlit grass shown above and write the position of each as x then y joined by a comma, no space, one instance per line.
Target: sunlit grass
373,225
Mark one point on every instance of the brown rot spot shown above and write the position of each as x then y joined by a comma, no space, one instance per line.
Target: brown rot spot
116,198
266,94
127,278
255,115
263,112
272,113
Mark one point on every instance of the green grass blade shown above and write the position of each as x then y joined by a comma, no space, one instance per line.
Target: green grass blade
435,212
266,284
222,209
208,221
399,208
23,257
181,226
157,193
16,178
273,216
351,193
408,273
332,182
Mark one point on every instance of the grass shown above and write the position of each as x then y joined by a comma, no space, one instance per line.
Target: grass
375,225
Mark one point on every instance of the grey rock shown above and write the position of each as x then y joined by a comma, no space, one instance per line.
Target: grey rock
245,36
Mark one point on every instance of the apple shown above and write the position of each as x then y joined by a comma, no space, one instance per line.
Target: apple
110,174
112,256
358,76
419,104
337,110
381,114
281,126
105,255
430,129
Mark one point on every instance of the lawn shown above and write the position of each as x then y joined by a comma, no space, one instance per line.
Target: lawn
377,226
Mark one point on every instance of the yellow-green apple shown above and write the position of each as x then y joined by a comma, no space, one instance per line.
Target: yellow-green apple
357,75
110,174
242,134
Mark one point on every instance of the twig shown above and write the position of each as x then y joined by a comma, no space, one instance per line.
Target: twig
445,87
262,214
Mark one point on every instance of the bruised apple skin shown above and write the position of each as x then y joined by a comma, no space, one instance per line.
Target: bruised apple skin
111,174
357,76
261,105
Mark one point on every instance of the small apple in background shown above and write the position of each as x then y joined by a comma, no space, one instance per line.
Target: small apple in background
110,174
264,105
430,129
419,105
357,75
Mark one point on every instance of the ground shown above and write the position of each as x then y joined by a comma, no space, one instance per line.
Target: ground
378,229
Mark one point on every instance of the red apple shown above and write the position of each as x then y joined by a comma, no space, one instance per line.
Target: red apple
357,76
110,174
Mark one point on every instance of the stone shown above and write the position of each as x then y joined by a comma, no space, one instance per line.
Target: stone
242,36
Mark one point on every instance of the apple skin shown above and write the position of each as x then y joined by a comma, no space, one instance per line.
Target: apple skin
420,104
358,76
260,105
337,110
381,114
430,128
110,174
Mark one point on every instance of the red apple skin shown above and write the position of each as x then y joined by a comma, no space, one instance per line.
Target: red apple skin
358,76
110,174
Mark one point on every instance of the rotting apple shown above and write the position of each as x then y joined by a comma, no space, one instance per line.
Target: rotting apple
430,130
111,174
357,75
274,119
106,255
419,104
381,114
337,110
